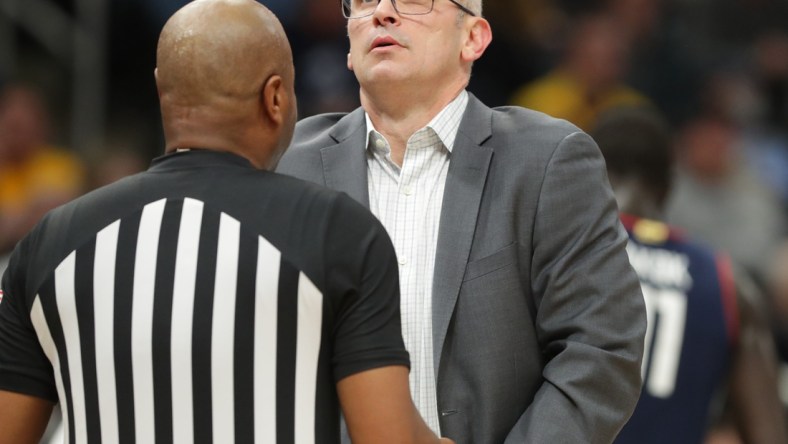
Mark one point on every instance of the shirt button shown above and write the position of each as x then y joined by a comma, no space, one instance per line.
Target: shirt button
407,190
403,260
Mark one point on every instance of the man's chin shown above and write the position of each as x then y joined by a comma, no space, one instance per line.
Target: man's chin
385,73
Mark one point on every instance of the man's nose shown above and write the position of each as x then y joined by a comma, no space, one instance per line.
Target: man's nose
385,12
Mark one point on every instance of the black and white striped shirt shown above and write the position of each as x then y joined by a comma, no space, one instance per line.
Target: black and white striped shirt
201,301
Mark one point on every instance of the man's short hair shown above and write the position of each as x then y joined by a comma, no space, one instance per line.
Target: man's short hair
636,142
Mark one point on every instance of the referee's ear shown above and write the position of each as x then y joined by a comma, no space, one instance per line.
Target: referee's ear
156,78
273,100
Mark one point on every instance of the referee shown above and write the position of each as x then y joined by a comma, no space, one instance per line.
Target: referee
207,299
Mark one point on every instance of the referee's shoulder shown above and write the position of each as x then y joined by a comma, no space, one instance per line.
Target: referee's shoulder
66,227
93,205
294,186
324,199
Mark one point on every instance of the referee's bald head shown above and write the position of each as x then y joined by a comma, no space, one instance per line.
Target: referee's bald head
225,78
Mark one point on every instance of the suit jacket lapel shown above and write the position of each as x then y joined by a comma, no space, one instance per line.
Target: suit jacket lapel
345,164
470,162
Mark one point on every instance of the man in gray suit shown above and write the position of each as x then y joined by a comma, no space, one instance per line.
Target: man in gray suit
524,320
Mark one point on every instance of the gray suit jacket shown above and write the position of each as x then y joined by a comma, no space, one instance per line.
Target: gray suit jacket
538,319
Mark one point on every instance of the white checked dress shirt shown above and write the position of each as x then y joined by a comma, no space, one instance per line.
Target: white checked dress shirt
408,202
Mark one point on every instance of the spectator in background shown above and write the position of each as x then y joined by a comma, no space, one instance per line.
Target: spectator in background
771,59
589,77
35,176
707,331
768,136
721,28
718,198
659,66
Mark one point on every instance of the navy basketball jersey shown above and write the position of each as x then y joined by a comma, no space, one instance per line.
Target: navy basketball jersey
692,325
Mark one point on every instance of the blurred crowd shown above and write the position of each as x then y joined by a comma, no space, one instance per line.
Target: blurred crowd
717,69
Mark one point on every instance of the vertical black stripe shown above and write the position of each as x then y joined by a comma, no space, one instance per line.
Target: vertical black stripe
162,319
83,295
203,320
124,288
49,305
326,399
285,353
244,337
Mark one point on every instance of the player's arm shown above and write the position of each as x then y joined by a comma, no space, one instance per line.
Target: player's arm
378,408
23,418
753,384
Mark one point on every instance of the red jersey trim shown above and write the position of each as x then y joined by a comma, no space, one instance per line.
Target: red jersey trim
730,304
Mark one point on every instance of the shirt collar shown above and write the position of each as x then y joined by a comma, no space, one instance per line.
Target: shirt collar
199,157
445,124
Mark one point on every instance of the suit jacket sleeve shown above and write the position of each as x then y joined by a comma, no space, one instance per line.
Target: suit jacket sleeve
590,319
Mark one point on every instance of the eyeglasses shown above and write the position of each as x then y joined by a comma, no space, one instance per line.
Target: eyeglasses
353,9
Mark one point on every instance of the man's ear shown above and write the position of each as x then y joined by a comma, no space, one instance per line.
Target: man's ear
479,36
349,62
273,98
156,78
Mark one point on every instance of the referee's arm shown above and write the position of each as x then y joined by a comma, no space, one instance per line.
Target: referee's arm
370,360
378,408
23,418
